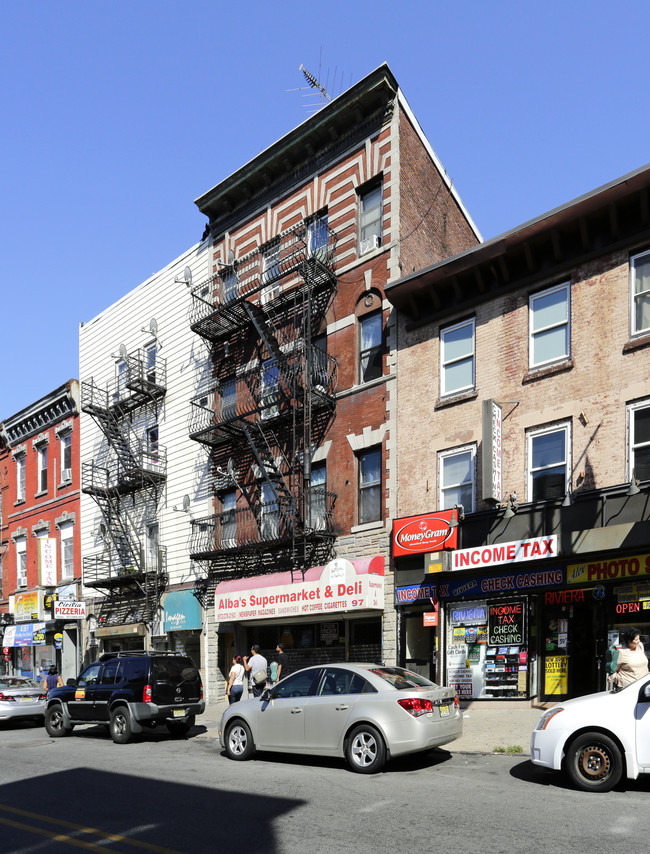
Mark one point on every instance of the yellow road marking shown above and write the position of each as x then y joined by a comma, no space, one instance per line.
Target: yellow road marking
136,843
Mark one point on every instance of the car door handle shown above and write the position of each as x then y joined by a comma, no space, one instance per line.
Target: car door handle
342,708
296,711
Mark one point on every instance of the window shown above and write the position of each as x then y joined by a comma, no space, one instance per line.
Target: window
318,238
297,685
269,388
269,513
318,498
66,458
21,562
370,486
319,368
229,278
370,349
548,463
152,455
549,326
639,433
456,478
152,545
67,550
370,218
270,274
150,354
457,357
111,673
229,399
640,292
42,468
120,387
20,478
229,520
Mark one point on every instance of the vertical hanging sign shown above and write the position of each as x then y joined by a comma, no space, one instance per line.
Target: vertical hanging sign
47,562
492,419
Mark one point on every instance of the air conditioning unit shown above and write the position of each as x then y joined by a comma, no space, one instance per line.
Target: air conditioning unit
369,244
66,476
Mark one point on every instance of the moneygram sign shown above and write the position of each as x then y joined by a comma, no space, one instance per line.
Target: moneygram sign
427,533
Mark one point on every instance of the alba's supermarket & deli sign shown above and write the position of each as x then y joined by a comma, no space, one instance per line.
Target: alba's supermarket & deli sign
429,532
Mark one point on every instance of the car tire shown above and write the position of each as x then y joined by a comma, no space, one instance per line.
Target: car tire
120,725
365,750
55,722
239,741
594,762
178,729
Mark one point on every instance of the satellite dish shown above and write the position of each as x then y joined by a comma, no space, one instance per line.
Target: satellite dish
186,503
102,530
231,256
187,275
153,326
230,467
124,353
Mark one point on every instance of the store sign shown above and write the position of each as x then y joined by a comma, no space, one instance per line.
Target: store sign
468,614
430,618
415,593
492,435
27,634
509,582
47,561
517,551
183,612
637,566
426,533
506,623
337,587
69,610
26,606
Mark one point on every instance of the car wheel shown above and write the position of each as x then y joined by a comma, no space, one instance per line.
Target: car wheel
180,728
55,722
365,750
239,741
594,762
120,725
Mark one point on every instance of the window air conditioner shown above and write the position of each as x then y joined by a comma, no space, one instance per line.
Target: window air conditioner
369,244
66,475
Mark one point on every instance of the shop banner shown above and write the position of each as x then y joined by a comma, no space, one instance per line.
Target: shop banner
508,582
183,612
341,585
26,606
637,566
425,533
27,634
516,551
47,562
415,593
69,610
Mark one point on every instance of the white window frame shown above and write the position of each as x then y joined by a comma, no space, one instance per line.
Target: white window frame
21,562
230,283
229,519
270,270
533,333
363,487
41,473
65,448
20,477
66,532
318,497
531,435
368,321
632,444
269,512
150,357
373,226
152,545
445,489
634,296
318,237
446,363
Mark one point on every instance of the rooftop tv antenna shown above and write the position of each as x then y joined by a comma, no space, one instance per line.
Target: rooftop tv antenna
313,82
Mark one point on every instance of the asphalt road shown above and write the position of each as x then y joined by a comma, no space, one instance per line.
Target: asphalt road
163,795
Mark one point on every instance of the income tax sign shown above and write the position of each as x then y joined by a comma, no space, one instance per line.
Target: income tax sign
429,532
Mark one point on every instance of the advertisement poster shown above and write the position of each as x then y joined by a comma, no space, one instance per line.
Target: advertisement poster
556,675
506,623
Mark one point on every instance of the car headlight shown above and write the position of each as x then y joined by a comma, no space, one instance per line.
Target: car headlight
547,717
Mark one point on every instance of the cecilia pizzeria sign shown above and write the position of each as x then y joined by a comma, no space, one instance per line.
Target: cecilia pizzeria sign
429,532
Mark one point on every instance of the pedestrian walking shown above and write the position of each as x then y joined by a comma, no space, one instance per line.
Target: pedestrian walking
632,662
52,679
235,687
283,662
256,666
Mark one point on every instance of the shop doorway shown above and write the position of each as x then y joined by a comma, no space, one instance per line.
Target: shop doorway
572,650
419,644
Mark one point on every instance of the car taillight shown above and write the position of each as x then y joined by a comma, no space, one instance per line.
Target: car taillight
7,697
146,694
416,706
42,696
456,702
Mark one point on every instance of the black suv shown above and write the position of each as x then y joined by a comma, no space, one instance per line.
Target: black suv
129,691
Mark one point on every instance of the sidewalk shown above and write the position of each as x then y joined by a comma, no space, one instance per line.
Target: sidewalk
487,726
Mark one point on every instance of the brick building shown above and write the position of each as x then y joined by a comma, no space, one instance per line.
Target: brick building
295,404
40,555
527,358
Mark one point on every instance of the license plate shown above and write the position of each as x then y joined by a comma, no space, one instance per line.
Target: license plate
444,711
179,713
27,699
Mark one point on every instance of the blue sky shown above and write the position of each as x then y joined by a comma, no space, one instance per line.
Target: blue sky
117,115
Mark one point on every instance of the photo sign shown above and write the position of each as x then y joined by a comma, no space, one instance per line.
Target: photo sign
506,623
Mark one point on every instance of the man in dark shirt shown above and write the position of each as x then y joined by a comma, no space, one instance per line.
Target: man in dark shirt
283,662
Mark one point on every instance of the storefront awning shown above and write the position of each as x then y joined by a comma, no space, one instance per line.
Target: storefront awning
138,629
183,612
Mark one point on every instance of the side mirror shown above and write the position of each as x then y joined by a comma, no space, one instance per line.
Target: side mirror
71,682
265,696
644,693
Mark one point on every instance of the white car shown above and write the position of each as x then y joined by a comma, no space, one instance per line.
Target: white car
597,739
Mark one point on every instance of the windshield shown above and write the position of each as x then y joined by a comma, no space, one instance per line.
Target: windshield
402,679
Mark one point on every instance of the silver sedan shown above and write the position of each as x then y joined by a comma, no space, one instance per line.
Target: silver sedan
366,713
21,697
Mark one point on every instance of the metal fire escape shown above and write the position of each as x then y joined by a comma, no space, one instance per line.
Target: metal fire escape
271,404
126,477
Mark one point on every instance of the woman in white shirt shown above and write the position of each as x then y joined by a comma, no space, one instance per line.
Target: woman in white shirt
632,662
235,687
